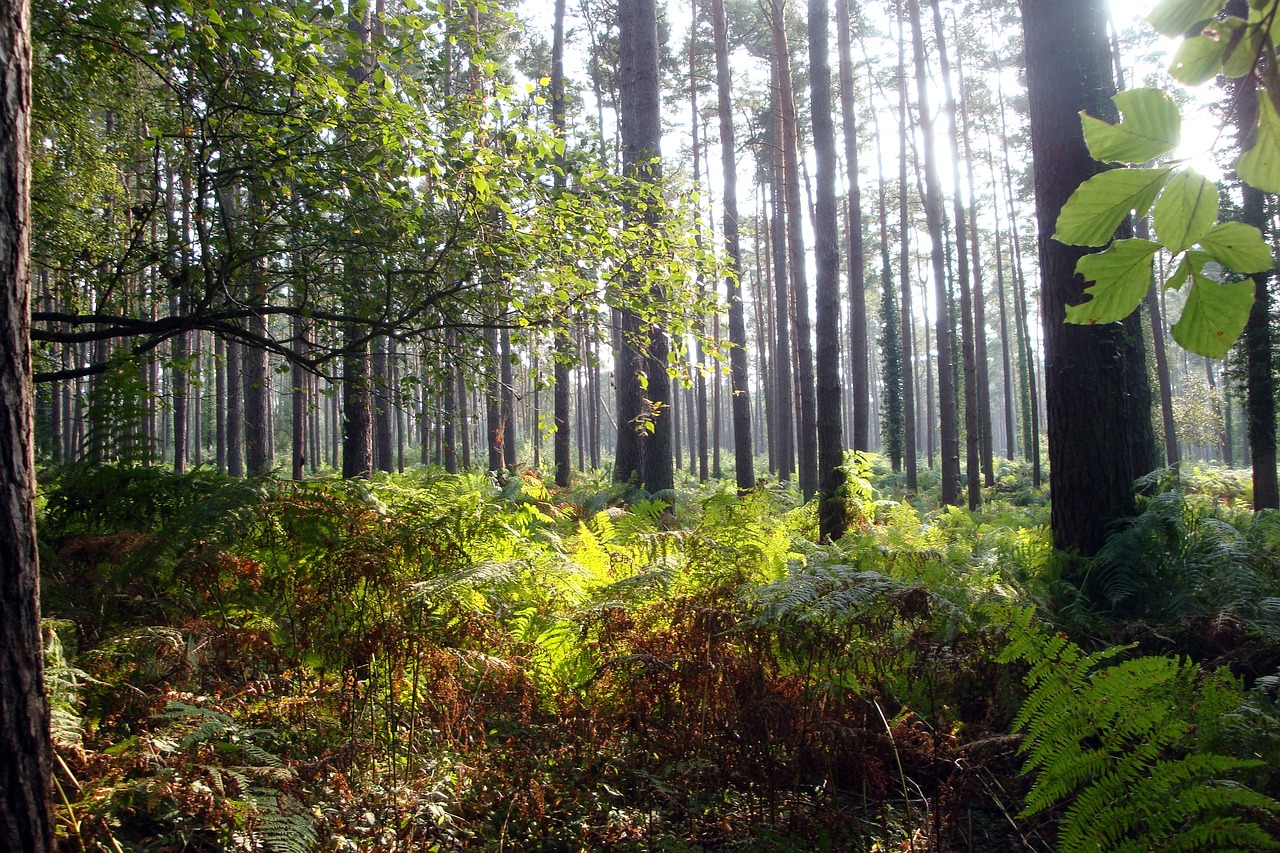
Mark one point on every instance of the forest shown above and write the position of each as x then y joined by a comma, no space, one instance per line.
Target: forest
631,425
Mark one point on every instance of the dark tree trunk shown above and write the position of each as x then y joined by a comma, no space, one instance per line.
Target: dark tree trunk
640,100
496,432
357,409
859,383
26,813
298,397
508,401
563,337
947,404
1068,70
220,402
827,253
782,388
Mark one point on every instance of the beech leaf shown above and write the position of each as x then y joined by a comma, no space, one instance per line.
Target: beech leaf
1260,165
1123,276
1150,126
1214,316
1186,211
1174,18
1098,206
1238,247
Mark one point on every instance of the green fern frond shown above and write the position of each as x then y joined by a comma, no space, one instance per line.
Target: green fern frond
1122,743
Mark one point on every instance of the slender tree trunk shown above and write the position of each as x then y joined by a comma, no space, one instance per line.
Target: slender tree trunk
983,376
383,444
909,461
508,401
947,404
739,381
972,424
26,812
496,433
235,410
806,421
859,363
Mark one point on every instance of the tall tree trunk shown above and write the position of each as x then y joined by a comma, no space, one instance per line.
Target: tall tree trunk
642,139
563,337
909,461
983,376
298,397
496,431
859,384
947,404
827,252
26,812
258,443
508,401
806,421
743,455
972,423
1068,66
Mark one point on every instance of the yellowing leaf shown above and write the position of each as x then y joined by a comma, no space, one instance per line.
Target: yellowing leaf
1123,276
1238,247
1214,316
1150,126
1186,211
1098,206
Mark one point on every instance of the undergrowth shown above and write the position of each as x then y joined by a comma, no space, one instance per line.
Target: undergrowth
429,661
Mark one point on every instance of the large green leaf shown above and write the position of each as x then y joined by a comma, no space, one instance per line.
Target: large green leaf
1174,18
1186,211
1150,126
1100,204
1260,165
1123,276
1242,45
1214,316
1238,247
1198,60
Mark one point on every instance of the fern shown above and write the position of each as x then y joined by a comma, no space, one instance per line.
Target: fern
1125,743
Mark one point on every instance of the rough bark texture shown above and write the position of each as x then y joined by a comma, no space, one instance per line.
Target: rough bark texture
1090,453
743,455
26,817
782,325
641,145
827,253
357,410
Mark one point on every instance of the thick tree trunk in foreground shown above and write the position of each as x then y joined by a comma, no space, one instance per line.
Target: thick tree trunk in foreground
1068,70
26,816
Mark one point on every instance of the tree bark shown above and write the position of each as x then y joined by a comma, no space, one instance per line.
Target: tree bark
1068,70
827,253
26,813
909,460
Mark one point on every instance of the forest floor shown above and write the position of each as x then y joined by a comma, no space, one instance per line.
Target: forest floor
435,662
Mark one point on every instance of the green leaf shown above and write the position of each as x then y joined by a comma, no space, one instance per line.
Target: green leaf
1100,204
1260,165
1198,60
1186,211
1174,18
1238,247
1180,274
1123,276
1241,47
1150,126
1214,316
